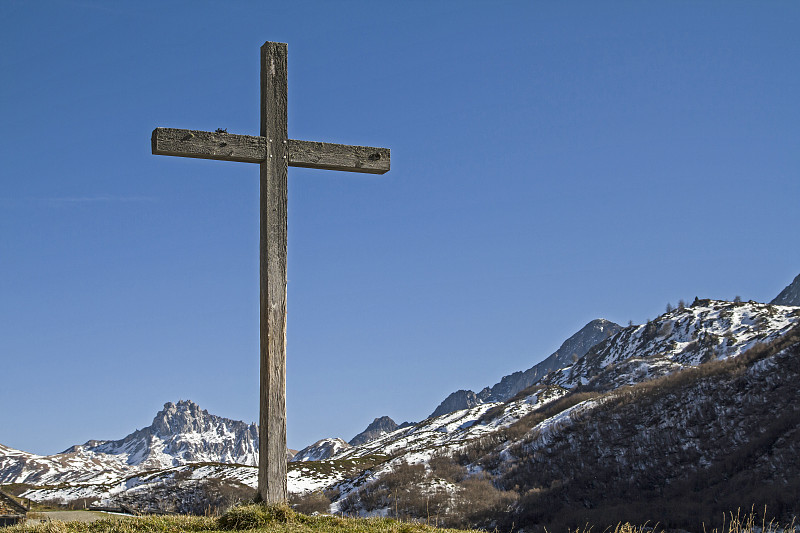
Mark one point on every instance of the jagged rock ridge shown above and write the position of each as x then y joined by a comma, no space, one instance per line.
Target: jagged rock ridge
183,433
790,295
460,399
571,349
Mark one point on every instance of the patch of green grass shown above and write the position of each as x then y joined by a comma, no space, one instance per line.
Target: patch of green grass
349,466
15,489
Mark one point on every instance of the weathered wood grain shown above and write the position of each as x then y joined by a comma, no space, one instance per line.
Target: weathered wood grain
274,170
329,156
275,153
252,149
208,145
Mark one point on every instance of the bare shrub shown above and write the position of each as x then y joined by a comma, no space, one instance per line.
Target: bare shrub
447,468
480,503
391,491
478,448
310,503
411,493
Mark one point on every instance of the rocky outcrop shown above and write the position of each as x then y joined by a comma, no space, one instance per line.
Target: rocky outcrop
377,429
460,399
790,295
570,351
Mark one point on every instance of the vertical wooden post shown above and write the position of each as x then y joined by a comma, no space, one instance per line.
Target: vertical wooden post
274,171
274,152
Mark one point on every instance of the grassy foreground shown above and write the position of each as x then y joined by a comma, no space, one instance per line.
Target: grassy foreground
278,519
282,519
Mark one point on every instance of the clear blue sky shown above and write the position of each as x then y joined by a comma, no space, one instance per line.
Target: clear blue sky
552,163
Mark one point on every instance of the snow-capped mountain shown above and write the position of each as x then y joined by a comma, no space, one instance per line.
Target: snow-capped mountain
327,448
183,433
320,450
180,434
69,467
705,331
698,409
681,449
432,435
576,346
684,338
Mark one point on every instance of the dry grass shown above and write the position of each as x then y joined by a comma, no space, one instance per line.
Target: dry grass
750,523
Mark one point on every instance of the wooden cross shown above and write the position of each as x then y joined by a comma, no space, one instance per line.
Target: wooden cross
274,152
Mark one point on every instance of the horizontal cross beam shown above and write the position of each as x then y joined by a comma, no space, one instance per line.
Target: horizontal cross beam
251,149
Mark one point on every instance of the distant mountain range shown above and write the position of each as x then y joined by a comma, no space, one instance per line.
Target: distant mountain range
617,415
181,433
573,348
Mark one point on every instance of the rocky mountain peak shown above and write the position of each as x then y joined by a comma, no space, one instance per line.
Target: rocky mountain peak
321,450
378,428
790,295
182,433
384,423
460,399
183,417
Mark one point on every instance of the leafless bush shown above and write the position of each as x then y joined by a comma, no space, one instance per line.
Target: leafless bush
479,503
411,493
447,468
391,491
477,449
313,502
